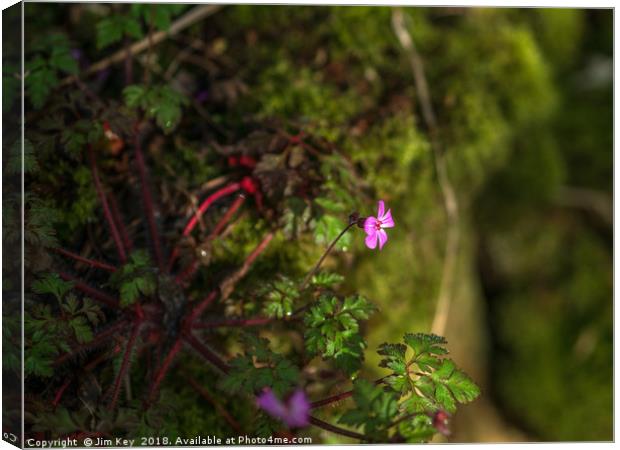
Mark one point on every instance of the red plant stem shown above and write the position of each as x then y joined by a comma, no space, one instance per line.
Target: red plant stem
116,215
338,397
90,262
90,291
190,270
106,208
161,373
206,352
148,200
228,285
87,368
60,392
229,189
186,274
125,364
334,429
200,308
97,339
253,321
226,217
205,393
318,264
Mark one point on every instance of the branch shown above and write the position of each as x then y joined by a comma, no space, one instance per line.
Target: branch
318,264
192,17
96,294
90,262
161,373
125,364
206,353
447,190
249,322
97,339
147,199
339,397
190,270
334,429
106,208
116,215
205,393
228,285
226,190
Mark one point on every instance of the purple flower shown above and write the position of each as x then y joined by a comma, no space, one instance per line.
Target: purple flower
374,227
293,412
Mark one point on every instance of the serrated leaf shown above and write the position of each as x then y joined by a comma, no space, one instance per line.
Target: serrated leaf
444,398
61,59
463,388
326,279
52,284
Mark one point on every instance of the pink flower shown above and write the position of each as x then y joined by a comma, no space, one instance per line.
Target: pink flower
294,412
374,227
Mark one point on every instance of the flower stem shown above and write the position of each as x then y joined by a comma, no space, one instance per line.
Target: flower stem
334,429
338,397
318,264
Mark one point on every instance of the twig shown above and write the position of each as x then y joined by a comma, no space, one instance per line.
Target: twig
116,215
147,199
90,291
447,190
228,189
339,397
195,15
217,405
334,429
189,271
125,364
161,373
90,262
106,208
228,285
206,353
97,339
318,264
249,322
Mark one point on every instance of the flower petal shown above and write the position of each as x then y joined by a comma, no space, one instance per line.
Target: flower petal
271,404
383,237
386,220
299,407
370,225
380,209
371,240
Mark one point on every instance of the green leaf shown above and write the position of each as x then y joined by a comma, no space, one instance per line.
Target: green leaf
327,228
375,409
61,59
133,95
135,278
426,343
39,84
259,367
51,283
14,165
109,31
82,330
444,398
417,430
326,279
332,330
161,103
462,387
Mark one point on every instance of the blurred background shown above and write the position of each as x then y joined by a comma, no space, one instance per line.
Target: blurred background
523,101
